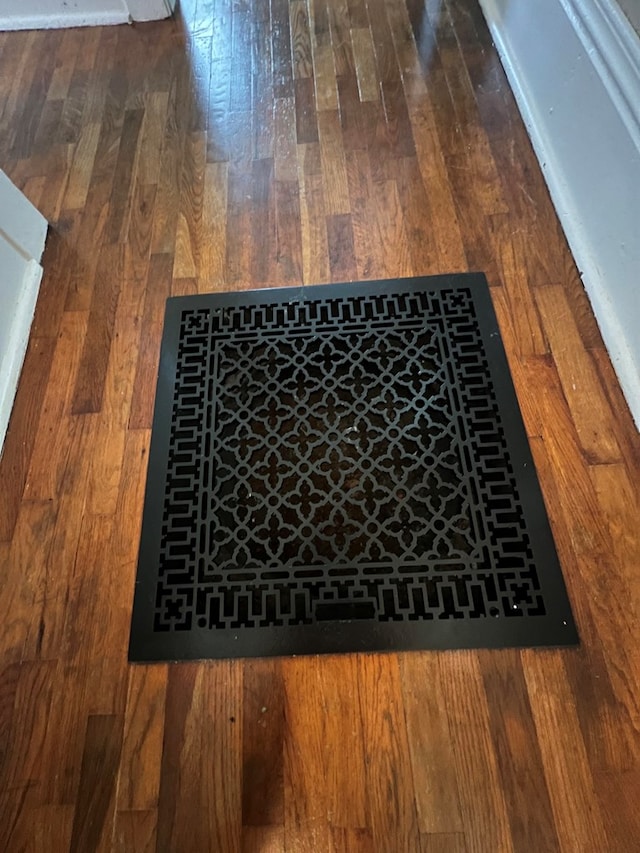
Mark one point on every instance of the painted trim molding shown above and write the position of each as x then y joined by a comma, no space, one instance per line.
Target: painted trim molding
614,48
150,10
15,347
23,231
120,12
574,67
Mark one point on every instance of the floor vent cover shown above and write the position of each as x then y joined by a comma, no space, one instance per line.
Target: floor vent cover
341,468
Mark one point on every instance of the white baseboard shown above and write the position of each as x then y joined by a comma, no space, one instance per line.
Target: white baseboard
150,10
15,347
60,15
574,67
66,19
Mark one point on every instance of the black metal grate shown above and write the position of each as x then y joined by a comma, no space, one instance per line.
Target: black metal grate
341,468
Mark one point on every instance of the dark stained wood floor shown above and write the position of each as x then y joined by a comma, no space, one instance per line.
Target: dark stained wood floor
263,143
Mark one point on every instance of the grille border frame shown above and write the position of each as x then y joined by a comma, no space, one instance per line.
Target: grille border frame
556,628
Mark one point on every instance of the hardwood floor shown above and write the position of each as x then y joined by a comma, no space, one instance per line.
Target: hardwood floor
261,143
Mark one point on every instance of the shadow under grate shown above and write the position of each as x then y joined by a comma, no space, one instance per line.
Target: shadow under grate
341,468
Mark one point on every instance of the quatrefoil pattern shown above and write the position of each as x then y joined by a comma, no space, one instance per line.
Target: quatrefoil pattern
343,451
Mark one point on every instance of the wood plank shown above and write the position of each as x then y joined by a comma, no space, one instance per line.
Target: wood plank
157,292
35,102
334,171
135,830
399,135
166,216
263,725
444,226
587,403
365,65
386,60
618,797
139,770
480,784
124,176
64,66
315,253
22,591
325,775
180,747
75,196
189,237
391,234
319,22
443,842
56,425
140,234
262,99
9,679
358,119
213,253
31,689
305,101
92,370
340,30
22,431
625,429
517,751
347,840
430,746
305,796
406,50
46,828
285,159
324,75
300,40
608,607
416,209
152,137
566,766
266,839
281,49
288,240
342,259
511,250
392,807
344,743
81,689
217,110
203,730
93,818
23,64
619,499
263,225
58,261
110,424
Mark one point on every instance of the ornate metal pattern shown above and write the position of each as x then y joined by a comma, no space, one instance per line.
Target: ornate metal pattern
338,459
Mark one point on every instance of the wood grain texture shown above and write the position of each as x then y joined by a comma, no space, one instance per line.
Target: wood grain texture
139,783
263,745
579,379
431,747
567,770
480,784
243,145
23,432
386,748
93,818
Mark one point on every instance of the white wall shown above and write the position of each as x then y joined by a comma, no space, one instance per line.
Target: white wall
43,14
22,235
574,66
